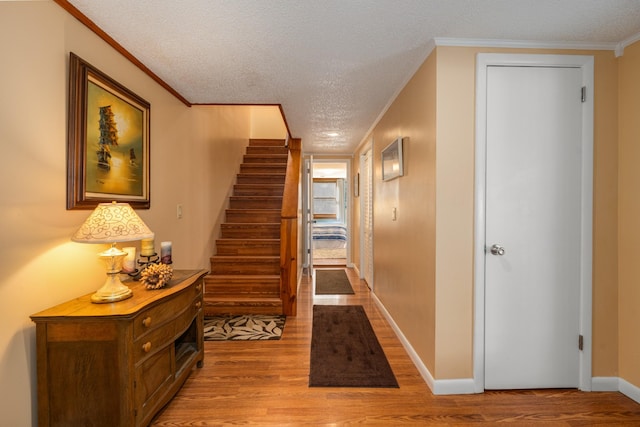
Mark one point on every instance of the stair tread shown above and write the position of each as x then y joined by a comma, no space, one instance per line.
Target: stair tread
259,257
246,276
253,210
244,298
255,174
260,185
253,197
256,240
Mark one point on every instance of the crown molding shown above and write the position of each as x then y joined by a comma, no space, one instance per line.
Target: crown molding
624,43
523,44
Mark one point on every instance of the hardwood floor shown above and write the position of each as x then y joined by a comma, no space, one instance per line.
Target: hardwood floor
266,383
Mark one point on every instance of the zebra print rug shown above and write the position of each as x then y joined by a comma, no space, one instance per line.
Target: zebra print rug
243,327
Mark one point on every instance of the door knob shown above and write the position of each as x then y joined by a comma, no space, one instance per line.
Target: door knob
497,250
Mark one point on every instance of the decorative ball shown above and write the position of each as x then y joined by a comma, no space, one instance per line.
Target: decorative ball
156,276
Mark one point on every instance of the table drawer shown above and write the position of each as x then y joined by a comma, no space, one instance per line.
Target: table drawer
155,317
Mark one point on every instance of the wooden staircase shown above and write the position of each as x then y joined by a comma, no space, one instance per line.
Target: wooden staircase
245,273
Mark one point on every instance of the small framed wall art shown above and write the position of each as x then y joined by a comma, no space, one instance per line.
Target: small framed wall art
392,162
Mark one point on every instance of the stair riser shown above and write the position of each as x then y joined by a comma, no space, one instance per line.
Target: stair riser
213,308
265,158
253,216
259,231
247,247
242,291
266,143
220,265
262,168
248,270
257,178
255,202
258,190
242,286
267,150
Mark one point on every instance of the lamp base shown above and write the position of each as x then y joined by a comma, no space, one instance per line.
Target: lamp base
113,289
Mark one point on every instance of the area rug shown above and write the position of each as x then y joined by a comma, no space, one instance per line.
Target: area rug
345,351
243,327
332,282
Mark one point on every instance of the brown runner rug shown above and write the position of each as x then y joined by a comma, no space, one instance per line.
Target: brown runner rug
332,282
345,351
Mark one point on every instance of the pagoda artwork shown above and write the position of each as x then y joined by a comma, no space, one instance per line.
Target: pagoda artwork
108,137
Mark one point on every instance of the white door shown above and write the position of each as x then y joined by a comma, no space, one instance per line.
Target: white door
533,227
366,209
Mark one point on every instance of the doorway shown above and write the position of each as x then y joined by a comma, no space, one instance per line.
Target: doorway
534,168
329,212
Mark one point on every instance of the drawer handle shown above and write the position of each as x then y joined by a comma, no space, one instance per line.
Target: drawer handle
147,321
198,287
198,304
146,347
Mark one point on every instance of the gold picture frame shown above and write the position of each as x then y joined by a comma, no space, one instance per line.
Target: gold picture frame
108,141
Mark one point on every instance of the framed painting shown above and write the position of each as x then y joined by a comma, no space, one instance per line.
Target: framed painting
392,164
108,141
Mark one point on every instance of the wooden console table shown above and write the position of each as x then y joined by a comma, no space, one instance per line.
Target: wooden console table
118,364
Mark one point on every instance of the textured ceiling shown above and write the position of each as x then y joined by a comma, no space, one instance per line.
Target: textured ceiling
333,65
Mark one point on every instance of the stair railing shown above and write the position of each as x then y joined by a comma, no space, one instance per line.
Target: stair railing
289,231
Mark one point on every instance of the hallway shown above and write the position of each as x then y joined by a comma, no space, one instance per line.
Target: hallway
266,383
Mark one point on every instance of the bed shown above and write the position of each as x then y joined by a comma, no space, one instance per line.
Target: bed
329,231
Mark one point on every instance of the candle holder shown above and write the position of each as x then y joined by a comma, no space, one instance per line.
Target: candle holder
148,260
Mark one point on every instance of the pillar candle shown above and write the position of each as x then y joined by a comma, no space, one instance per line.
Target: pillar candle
165,252
147,247
129,264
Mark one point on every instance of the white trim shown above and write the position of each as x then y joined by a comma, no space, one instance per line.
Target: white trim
629,390
605,384
586,63
523,44
616,384
626,42
459,386
438,387
422,369
429,48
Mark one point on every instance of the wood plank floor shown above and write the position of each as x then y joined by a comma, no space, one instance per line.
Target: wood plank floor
266,383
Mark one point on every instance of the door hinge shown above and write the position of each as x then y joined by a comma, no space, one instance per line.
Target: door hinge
580,342
308,251
583,94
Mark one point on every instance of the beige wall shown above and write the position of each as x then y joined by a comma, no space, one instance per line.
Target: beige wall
424,261
629,231
267,122
404,250
195,153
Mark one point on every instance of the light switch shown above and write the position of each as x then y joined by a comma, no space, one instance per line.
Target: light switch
394,214
179,211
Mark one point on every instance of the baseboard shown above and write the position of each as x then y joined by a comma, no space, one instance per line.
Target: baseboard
440,387
616,384
467,385
605,384
630,390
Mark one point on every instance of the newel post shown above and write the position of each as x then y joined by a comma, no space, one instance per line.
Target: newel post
289,231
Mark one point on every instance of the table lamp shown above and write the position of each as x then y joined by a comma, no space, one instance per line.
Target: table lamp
112,223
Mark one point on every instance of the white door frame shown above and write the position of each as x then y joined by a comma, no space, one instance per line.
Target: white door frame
317,159
585,63
368,180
